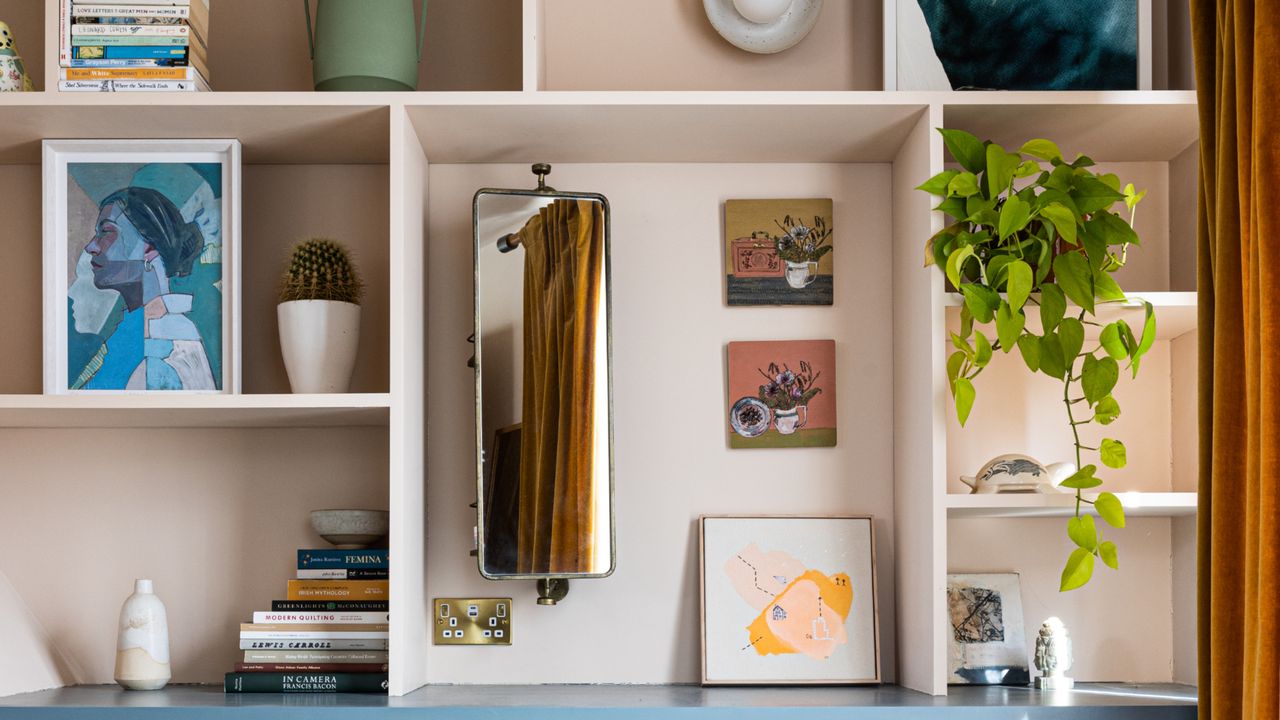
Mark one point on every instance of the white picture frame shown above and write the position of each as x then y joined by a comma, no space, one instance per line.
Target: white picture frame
788,600
987,642
198,371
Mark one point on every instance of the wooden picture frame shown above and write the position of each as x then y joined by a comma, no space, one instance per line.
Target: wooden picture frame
826,633
155,303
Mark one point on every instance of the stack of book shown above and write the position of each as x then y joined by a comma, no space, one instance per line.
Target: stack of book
328,635
133,45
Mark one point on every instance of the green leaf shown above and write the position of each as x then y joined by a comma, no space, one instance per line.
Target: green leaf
1113,341
1078,570
955,263
1014,215
1052,362
1107,551
1053,306
1098,378
1113,453
1110,509
1106,411
963,185
1029,346
1083,479
1105,287
1092,194
1083,532
954,364
954,207
1000,167
1148,331
965,148
1064,221
963,346
998,270
937,185
1073,276
1111,228
1019,283
1131,198
1071,337
982,350
1009,325
964,399
1027,169
966,321
981,300
1043,149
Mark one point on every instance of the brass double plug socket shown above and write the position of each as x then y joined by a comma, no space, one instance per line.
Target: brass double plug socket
472,621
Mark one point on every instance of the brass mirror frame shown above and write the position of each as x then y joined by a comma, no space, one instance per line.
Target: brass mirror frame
550,194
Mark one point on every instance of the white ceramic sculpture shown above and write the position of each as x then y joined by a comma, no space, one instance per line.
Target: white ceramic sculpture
1018,474
142,651
763,26
1053,656
319,339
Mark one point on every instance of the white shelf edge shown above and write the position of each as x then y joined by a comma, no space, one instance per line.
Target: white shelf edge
1176,313
1136,504
245,410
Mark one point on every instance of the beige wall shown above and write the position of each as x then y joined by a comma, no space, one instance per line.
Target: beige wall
670,330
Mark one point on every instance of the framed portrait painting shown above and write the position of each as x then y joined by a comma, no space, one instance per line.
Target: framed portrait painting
141,266
788,601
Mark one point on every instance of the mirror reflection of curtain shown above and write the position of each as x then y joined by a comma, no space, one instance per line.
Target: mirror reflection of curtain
563,272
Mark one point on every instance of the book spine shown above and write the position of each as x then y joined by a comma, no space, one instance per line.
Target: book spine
128,52
177,73
321,629
303,635
129,11
124,20
81,40
305,682
123,63
148,3
337,590
342,559
127,86
329,606
64,32
312,667
130,29
320,618
316,656
343,574
300,644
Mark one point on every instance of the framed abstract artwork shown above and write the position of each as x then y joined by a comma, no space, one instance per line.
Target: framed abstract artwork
782,394
779,252
986,645
788,601
141,266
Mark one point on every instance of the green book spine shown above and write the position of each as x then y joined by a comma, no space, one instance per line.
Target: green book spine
304,682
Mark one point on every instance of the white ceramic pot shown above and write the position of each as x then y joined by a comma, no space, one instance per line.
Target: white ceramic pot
318,339
788,421
142,647
802,274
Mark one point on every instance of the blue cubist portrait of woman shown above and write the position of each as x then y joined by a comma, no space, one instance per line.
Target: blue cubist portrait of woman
144,276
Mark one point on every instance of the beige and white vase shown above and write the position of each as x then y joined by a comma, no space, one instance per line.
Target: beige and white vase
142,651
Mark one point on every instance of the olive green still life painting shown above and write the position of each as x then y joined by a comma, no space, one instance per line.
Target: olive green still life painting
779,252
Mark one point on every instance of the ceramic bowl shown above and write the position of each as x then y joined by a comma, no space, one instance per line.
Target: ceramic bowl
351,529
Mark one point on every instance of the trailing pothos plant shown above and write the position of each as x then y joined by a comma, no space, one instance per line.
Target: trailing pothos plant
1041,230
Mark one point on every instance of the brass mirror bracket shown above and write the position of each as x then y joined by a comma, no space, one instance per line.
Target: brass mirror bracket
542,170
552,590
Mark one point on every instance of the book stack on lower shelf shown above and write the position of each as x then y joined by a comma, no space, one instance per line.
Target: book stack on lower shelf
133,45
330,635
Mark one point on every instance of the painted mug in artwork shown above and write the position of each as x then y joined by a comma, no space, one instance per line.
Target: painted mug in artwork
788,421
802,274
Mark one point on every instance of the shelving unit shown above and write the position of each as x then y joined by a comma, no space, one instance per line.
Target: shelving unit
393,174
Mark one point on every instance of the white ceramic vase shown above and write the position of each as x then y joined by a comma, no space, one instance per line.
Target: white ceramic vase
318,339
142,649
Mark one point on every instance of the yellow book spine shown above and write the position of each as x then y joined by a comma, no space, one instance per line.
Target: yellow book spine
338,590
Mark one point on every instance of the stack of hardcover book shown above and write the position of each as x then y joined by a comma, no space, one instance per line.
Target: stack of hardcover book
328,635
133,45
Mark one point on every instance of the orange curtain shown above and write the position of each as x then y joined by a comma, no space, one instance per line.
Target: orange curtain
1237,53
563,272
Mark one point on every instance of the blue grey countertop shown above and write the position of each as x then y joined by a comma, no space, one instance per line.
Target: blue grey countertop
626,702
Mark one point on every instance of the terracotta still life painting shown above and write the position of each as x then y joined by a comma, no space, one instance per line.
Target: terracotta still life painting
778,252
788,600
782,394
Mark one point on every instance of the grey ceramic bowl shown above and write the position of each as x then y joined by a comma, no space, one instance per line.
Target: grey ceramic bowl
351,529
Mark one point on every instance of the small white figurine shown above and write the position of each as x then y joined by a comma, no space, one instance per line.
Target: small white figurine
1018,474
1053,656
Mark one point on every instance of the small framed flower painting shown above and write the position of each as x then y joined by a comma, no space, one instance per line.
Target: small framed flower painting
782,394
779,252
788,601
141,266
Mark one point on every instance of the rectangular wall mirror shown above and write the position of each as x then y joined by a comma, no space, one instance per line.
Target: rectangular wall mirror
544,435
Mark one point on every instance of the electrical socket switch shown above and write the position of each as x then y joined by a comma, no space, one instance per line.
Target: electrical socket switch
471,621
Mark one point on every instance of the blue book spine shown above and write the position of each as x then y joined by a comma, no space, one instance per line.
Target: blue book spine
321,559
128,52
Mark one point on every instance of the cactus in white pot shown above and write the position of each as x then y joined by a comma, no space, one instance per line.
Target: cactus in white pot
319,317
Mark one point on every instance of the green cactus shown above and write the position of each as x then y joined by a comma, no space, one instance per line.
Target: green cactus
321,269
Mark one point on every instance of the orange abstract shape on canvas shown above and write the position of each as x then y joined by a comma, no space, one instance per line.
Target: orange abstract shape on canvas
807,617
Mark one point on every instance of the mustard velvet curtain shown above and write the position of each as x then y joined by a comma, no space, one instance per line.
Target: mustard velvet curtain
1237,53
563,272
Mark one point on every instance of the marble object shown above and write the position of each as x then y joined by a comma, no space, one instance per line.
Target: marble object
142,650
774,30
1053,656
351,529
1018,474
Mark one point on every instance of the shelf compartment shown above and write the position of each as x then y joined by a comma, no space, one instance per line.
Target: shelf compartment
1020,505
194,411
1175,314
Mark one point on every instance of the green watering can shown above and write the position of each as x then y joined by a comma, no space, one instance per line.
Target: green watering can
365,44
